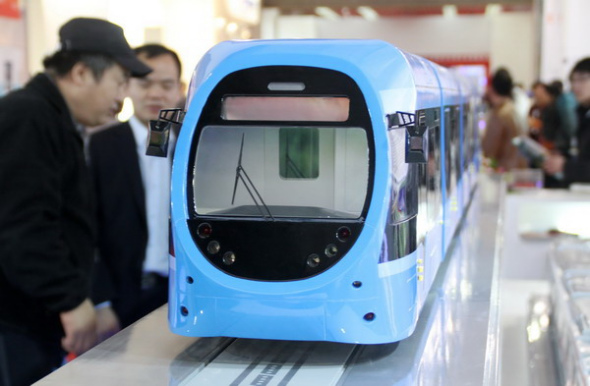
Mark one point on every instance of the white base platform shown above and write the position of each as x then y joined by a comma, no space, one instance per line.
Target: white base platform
470,332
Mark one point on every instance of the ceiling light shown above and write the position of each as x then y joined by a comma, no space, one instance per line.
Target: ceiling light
449,10
327,12
493,9
367,12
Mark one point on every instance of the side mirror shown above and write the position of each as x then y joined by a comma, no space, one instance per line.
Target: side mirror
416,133
417,140
159,131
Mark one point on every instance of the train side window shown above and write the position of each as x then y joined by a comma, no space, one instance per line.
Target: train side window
299,153
456,143
433,173
429,177
468,123
448,138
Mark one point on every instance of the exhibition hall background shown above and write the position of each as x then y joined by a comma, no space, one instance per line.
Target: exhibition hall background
540,41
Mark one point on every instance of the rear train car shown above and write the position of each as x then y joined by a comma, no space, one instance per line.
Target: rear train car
316,187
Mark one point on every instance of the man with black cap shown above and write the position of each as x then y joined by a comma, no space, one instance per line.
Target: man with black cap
46,208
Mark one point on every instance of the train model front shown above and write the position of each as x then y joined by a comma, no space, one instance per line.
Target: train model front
279,199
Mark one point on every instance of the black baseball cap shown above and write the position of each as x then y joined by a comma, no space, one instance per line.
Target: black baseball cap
100,36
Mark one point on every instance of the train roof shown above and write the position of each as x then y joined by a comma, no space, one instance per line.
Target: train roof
378,67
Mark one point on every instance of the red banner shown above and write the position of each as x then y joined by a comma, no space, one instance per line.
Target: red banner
461,60
9,8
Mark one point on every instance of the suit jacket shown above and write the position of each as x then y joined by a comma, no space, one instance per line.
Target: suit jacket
46,215
121,219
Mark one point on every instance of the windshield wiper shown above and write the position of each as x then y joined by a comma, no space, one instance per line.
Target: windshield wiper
240,174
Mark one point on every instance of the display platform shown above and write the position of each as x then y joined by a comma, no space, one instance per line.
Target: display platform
456,341
534,219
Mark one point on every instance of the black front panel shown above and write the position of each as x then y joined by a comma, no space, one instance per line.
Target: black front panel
273,250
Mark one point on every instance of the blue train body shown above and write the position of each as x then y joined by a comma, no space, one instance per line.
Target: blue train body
316,186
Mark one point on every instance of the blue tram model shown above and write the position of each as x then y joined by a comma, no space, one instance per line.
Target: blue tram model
315,189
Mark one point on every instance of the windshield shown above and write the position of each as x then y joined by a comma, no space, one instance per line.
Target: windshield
272,171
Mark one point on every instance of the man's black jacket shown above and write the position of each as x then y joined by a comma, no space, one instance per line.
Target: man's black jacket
46,215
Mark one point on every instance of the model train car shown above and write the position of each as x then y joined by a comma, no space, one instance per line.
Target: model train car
316,186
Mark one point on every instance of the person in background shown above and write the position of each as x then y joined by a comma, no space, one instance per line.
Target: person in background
545,123
501,125
576,168
133,196
546,127
566,106
46,210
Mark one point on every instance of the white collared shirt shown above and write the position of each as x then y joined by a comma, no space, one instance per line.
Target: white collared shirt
155,173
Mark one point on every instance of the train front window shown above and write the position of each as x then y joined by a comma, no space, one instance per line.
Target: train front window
273,171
